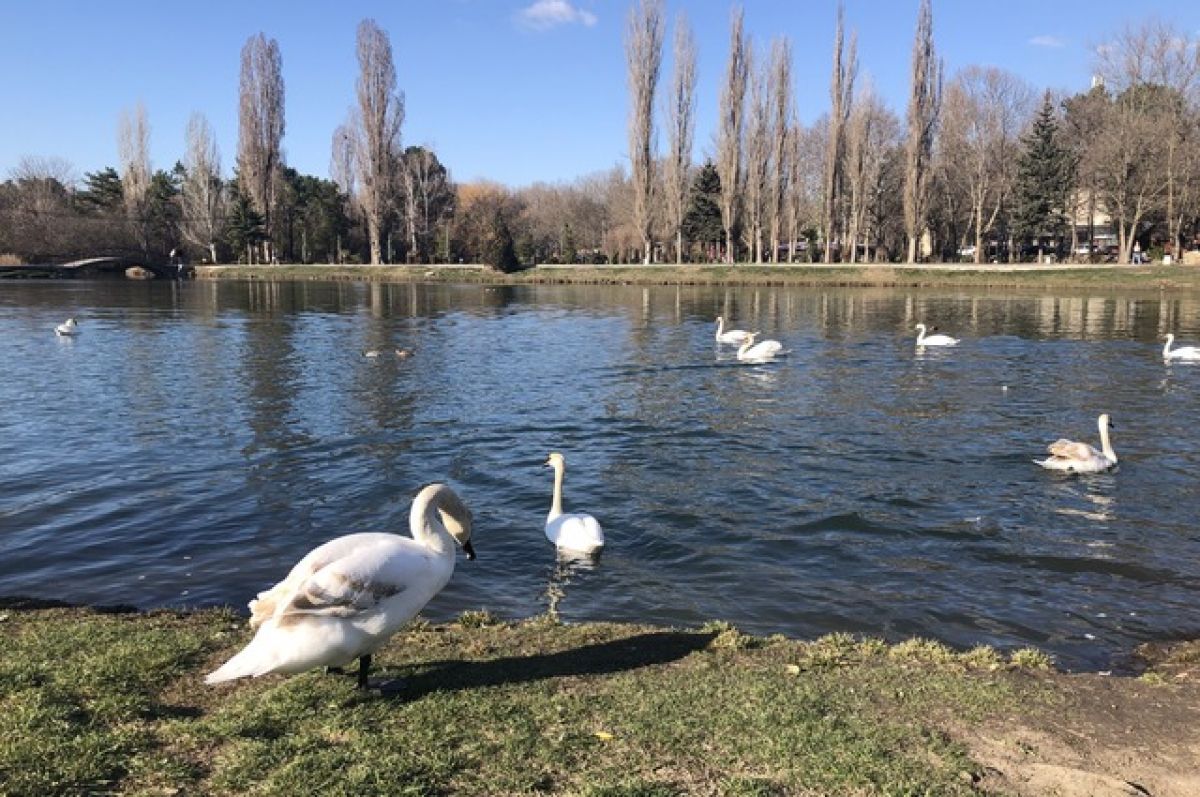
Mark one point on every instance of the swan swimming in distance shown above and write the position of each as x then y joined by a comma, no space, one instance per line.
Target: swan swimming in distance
734,336
347,597
1182,353
67,328
934,340
1073,457
763,352
572,532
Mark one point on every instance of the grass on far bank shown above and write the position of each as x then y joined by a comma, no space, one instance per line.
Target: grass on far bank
1150,277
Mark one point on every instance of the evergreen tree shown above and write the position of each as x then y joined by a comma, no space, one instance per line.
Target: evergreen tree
246,228
101,192
702,221
1045,174
499,252
569,252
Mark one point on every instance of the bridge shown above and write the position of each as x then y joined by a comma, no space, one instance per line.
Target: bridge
93,267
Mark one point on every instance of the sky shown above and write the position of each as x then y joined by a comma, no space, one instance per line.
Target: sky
515,91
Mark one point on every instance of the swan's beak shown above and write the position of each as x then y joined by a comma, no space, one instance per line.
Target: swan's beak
469,550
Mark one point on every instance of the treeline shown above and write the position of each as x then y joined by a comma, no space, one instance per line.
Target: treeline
981,166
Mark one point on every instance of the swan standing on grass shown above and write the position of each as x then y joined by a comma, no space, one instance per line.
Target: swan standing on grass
1182,353
347,597
759,352
934,340
734,336
1080,457
67,328
573,532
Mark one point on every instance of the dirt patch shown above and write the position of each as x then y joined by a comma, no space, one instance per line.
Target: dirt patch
1101,736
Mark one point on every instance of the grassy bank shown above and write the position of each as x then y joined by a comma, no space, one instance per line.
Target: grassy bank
1125,278
115,703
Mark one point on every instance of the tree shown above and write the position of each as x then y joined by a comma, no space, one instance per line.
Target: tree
702,221
782,114
429,200
841,92
643,50
375,130
102,192
681,124
202,192
498,251
871,134
729,129
133,147
924,103
1044,176
246,228
260,129
758,160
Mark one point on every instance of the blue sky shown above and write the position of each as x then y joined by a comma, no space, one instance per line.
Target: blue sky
516,91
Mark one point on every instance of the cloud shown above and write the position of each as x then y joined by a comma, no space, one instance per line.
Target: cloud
546,14
1047,41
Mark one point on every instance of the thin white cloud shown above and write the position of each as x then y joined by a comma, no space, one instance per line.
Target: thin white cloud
546,14
1047,41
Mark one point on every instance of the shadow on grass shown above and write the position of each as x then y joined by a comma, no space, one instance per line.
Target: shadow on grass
643,650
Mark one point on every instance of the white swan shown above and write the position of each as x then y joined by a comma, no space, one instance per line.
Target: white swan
759,352
575,532
345,598
733,336
67,328
934,340
1080,457
1182,353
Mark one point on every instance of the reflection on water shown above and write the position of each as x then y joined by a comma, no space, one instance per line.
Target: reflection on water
196,439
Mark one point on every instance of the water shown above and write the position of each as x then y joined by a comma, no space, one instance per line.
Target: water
197,439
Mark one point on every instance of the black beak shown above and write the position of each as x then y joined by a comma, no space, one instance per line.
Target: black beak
469,550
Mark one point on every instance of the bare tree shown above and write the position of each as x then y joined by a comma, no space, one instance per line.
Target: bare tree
871,133
782,113
841,93
202,192
260,128
729,131
924,104
133,149
643,51
681,125
758,160
376,131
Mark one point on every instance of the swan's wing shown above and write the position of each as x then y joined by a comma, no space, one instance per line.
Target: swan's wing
1069,449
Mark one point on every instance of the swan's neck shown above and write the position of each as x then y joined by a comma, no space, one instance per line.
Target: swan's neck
920,332
1106,444
426,525
1167,347
556,508
746,344
720,326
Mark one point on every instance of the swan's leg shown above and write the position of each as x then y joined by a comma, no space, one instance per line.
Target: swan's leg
364,665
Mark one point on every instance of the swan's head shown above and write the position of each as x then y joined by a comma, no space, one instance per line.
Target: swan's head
920,327
1105,422
556,461
70,322
455,516
403,354
1169,337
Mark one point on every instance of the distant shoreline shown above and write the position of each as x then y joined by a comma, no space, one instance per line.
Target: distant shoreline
1021,275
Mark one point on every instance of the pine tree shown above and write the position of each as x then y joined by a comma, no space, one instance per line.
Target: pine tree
1045,173
702,221
499,252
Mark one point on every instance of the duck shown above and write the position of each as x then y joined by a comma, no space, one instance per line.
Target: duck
67,328
572,532
347,597
1067,455
734,336
934,340
1182,353
762,352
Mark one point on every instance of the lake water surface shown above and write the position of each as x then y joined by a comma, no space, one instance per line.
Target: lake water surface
197,439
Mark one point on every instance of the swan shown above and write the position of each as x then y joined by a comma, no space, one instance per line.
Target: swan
934,340
1080,457
347,597
1182,353
67,328
759,352
733,336
574,532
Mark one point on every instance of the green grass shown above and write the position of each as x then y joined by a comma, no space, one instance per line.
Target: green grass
115,703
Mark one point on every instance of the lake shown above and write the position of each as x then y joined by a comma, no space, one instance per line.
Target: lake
198,438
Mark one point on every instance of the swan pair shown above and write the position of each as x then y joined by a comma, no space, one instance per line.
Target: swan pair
67,328
1073,457
933,340
346,598
1182,353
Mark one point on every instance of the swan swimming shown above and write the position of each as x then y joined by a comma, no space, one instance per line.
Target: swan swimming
347,597
1080,457
763,352
1182,353
733,336
573,532
934,340
67,328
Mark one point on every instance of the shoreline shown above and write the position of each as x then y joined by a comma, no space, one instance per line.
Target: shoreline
1154,278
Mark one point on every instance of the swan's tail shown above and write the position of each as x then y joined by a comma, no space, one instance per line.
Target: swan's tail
257,658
